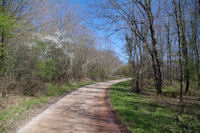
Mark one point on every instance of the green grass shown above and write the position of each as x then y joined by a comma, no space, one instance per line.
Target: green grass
9,116
144,115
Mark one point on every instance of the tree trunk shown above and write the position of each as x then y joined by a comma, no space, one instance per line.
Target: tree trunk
2,51
195,36
137,87
185,49
2,39
155,56
187,72
177,18
181,78
169,56
197,63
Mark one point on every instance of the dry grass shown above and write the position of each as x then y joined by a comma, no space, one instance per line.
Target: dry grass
12,100
170,98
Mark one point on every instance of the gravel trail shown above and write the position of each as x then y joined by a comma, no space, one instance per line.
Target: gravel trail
85,110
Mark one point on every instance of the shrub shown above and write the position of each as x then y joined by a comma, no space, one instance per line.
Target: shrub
47,70
97,73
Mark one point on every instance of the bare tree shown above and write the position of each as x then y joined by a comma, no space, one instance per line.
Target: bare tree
126,12
177,12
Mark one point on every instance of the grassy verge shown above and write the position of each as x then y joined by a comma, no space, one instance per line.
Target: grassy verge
143,114
9,116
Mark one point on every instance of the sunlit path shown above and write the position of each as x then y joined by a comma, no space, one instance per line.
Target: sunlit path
84,110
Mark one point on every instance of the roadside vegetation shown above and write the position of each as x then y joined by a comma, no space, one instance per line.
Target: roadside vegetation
46,50
145,112
24,105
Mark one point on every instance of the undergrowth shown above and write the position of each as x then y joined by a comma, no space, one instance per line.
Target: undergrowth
142,114
9,116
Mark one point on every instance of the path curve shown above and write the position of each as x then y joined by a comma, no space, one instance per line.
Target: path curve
83,111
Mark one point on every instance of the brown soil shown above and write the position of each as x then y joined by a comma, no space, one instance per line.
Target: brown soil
84,110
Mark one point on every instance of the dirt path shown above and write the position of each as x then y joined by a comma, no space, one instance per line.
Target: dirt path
82,111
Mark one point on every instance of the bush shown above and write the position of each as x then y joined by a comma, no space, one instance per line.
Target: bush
124,71
47,70
97,73
32,86
52,89
20,72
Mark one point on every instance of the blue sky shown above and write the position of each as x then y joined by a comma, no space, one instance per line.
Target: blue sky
113,42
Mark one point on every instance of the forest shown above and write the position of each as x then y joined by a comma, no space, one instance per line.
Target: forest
47,44
162,40
162,44
41,43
